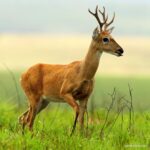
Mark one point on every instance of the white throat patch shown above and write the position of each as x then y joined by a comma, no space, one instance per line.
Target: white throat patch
98,54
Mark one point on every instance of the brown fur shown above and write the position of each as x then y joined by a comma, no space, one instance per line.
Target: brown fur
43,83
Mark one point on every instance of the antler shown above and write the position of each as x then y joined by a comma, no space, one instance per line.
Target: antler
105,18
108,24
97,17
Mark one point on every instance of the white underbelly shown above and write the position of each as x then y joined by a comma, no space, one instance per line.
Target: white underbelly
53,99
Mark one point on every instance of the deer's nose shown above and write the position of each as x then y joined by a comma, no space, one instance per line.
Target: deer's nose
120,51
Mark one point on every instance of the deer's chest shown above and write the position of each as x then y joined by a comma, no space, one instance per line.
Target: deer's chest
84,90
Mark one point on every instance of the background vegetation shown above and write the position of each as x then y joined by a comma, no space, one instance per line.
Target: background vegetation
121,130
54,31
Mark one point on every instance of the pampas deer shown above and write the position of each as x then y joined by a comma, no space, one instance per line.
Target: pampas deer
43,83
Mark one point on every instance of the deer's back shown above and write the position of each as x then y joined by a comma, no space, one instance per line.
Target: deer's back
46,79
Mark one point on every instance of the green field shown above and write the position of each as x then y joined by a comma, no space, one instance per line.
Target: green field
53,125
52,131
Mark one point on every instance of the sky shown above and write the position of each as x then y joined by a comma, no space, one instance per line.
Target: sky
72,17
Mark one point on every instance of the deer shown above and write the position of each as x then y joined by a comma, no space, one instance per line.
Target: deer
71,83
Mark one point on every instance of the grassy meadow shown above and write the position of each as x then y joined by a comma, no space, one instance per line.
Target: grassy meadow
60,32
107,126
52,131
124,128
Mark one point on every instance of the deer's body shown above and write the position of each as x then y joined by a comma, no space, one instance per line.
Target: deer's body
47,81
69,83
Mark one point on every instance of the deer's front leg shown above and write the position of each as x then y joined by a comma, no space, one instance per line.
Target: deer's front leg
72,102
82,110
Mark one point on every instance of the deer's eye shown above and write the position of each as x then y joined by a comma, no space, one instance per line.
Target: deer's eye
105,40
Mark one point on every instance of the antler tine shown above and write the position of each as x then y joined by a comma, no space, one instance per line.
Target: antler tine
108,24
105,18
103,11
104,15
97,17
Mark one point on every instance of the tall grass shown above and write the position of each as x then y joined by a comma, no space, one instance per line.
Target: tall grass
53,126
52,131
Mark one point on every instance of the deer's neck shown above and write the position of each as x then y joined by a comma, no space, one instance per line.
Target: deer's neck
91,61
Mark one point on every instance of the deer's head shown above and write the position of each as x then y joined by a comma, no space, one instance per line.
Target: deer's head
102,34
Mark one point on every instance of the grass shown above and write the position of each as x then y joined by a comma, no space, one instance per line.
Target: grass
52,131
53,126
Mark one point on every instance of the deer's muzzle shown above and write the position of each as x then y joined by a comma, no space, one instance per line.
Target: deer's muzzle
119,52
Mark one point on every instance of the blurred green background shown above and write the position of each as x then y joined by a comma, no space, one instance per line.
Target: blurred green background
33,31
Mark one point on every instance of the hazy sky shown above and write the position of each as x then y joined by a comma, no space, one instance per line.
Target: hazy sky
132,32
65,16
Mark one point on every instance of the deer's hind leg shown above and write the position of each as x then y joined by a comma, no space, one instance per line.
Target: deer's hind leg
23,119
27,118
43,104
37,104
36,108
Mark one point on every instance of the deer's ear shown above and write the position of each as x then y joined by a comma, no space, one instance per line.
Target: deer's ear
110,30
95,33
